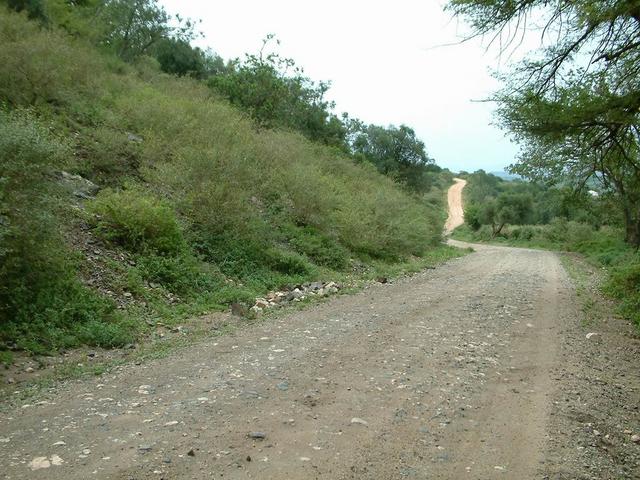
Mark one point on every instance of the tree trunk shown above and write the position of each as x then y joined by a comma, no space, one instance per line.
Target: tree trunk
496,229
632,227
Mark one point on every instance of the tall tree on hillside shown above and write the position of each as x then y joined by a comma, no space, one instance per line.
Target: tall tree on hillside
574,108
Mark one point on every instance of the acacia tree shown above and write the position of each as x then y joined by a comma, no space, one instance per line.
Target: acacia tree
574,107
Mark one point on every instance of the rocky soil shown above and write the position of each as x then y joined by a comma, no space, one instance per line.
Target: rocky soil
478,369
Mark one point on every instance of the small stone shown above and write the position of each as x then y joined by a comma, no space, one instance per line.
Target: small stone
4,440
257,435
29,370
590,334
171,423
144,448
86,451
359,421
283,386
256,310
635,438
305,459
39,463
238,310
261,303
59,444
56,461
191,453
248,458
166,460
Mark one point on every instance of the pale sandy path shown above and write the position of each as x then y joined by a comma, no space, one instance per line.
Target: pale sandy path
454,200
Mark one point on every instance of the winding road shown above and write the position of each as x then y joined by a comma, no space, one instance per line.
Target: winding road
448,374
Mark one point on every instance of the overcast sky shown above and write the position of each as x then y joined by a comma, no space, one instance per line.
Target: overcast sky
387,61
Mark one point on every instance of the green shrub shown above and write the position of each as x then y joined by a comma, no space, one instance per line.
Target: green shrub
137,221
321,249
624,285
182,274
43,305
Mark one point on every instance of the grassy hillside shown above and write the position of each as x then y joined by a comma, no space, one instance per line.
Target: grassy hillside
195,206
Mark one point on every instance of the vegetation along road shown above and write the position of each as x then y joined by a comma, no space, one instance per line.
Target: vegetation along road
477,369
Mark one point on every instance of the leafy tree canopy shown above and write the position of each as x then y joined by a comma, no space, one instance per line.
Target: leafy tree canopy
574,106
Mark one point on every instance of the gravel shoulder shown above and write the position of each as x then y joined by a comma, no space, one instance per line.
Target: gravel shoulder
455,372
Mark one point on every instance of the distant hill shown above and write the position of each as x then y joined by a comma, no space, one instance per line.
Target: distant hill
505,175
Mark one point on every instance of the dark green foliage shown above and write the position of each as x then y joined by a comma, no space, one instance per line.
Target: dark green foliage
42,303
624,285
178,57
277,94
182,273
490,200
396,152
35,9
321,249
133,27
137,221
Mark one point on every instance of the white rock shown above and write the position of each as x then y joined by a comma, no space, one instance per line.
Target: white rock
635,438
59,444
56,460
359,421
39,463
171,423
590,334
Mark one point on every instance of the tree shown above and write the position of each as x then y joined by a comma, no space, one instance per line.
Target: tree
133,27
395,151
507,208
276,93
35,9
178,57
575,108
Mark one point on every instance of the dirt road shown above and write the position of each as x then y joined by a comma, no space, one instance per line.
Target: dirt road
454,199
454,373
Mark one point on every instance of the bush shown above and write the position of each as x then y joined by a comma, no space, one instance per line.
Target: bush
137,221
182,274
43,306
321,249
624,285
